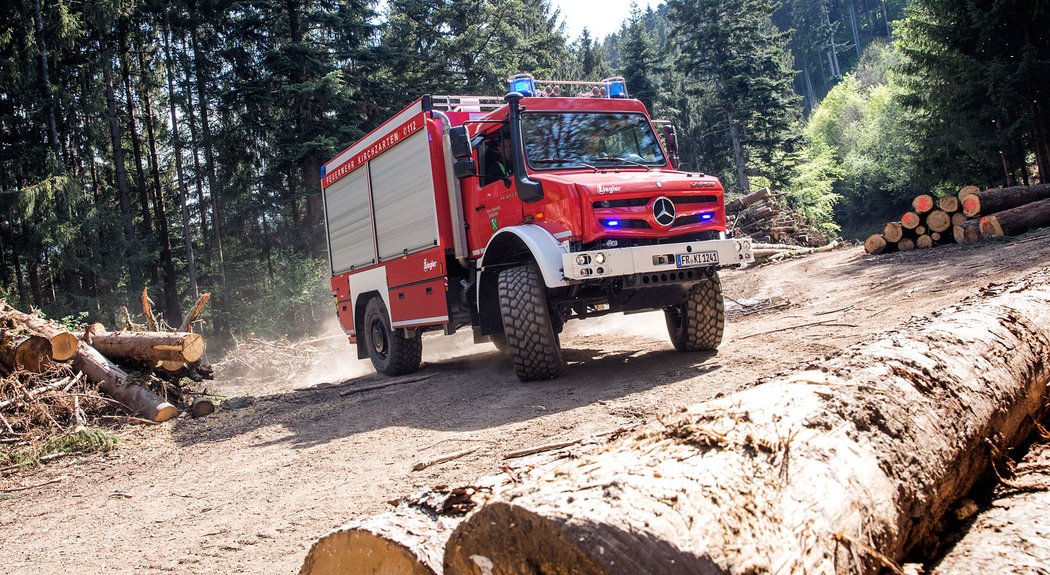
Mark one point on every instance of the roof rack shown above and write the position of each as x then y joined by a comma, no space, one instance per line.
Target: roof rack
466,103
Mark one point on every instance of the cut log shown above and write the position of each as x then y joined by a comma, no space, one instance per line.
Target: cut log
958,218
1018,220
938,221
923,203
201,407
999,199
910,220
967,191
63,343
968,232
1011,536
406,540
893,232
924,241
936,236
875,244
24,351
920,230
150,346
834,471
906,245
114,382
747,201
948,204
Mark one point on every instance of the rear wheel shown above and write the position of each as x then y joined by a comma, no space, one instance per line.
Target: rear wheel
390,351
527,324
697,324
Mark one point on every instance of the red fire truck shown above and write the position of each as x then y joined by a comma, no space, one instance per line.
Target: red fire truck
514,215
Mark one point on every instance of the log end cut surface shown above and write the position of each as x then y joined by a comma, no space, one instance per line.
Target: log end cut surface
63,346
893,232
910,220
361,552
875,244
923,203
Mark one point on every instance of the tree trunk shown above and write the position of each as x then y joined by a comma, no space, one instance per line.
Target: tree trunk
117,141
24,351
948,204
893,232
923,203
136,147
114,382
968,232
876,244
924,241
1010,537
176,142
214,192
1018,220
999,199
63,343
747,201
149,346
738,155
910,220
171,293
45,83
806,474
202,204
967,191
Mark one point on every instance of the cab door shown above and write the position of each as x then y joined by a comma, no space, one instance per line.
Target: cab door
492,202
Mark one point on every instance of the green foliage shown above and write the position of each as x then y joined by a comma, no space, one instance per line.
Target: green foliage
85,440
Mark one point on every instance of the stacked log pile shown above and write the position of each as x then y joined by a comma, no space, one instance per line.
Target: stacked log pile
965,218
845,468
767,219
49,375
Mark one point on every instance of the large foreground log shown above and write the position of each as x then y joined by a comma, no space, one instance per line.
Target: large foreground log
825,471
63,343
999,199
1010,538
968,232
1018,220
24,351
150,346
114,382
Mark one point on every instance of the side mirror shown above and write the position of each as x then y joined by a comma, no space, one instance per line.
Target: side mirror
459,142
464,168
671,141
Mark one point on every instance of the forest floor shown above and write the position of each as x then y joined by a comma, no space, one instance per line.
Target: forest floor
248,490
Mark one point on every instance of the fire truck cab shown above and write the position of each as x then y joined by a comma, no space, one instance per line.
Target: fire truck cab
514,215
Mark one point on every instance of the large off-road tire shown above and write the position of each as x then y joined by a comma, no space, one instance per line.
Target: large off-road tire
697,324
527,324
390,351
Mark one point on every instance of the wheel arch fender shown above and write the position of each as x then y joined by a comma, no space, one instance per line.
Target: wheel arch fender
360,305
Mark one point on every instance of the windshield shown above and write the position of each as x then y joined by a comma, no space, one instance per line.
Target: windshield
589,140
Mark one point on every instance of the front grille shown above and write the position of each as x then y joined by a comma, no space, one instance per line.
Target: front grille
683,200
624,203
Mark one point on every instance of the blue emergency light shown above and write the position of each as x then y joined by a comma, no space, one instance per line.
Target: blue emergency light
613,223
616,87
706,216
523,84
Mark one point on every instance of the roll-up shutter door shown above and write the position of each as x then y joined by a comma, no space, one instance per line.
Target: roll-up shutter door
403,197
350,221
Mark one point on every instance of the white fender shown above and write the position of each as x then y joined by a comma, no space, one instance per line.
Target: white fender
545,248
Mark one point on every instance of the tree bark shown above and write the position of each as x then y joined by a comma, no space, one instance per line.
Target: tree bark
117,141
114,382
1009,538
806,474
738,155
149,346
747,201
45,83
63,343
136,144
1018,220
999,199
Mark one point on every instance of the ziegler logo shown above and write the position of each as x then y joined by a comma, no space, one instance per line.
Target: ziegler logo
702,185
607,189
429,265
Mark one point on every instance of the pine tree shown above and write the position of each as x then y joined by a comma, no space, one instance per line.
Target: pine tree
739,62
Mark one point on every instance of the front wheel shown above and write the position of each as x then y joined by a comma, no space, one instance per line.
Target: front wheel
391,352
697,324
527,324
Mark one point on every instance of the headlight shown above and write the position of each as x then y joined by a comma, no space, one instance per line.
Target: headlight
583,259
599,258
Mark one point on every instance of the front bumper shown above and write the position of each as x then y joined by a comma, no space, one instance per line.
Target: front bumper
595,264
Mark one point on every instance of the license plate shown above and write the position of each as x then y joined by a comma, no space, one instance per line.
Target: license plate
697,259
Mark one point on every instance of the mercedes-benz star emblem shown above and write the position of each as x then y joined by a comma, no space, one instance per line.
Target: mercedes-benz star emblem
663,211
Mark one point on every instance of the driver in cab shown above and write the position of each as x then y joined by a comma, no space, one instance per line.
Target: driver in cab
498,163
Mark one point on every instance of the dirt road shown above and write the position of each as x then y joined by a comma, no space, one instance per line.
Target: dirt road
247,490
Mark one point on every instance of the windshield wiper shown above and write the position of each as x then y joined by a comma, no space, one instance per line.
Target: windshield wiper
562,161
626,161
